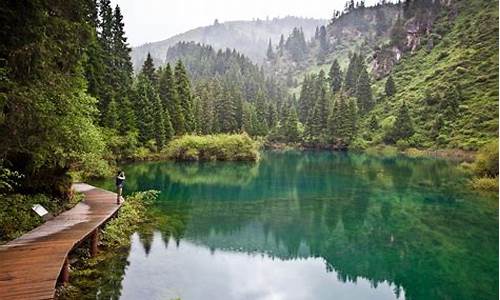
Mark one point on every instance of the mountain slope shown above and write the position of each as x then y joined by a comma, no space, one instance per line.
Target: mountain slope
248,37
451,89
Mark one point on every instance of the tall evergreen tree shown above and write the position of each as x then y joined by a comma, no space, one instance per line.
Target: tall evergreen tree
184,92
323,44
335,77
148,70
270,52
159,133
403,126
261,107
364,94
144,91
170,100
390,88
352,74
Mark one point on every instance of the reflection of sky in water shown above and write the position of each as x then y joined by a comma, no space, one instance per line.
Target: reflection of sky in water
170,272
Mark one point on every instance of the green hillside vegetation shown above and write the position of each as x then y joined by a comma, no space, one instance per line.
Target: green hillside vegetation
451,90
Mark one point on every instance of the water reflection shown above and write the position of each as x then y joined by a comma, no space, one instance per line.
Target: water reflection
357,225
191,271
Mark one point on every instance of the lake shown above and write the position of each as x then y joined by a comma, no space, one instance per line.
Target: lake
308,225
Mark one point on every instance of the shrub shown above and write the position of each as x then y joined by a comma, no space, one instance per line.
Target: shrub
485,184
486,164
235,147
133,212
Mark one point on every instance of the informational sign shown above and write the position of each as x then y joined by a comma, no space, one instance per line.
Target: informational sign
40,210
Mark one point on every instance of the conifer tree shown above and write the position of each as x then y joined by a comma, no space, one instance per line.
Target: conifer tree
226,113
403,126
148,69
390,88
281,45
159,133
111,119
170,100
290,123
260,105
144,108
373,123
184,92
352,74
270,52
318,119
398,33
364,91
335,77
323,43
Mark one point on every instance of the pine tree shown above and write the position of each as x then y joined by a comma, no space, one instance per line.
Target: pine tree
159,133
148,69
281,45
342,122
290,123
270,52
323,44
335,77
106,56
122,73
226,113
373,123
272,115
318,119
364,91
261,126
144,108
352,74
111,119
398,33
390,88
403,126
184,92
170,100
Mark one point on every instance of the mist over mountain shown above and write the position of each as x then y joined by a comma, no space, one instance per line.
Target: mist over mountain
249,37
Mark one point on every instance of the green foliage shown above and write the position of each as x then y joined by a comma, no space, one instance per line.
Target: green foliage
390,88
364,95
17,216
335,77
170,100
403,126
132,214
184,92
485,184
486,163
148,70
213,147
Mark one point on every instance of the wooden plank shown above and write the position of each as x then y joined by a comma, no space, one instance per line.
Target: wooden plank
31,265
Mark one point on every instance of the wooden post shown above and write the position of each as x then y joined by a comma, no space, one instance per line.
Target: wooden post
94,242
65,271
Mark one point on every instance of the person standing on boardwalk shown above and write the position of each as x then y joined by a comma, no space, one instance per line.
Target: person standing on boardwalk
120,182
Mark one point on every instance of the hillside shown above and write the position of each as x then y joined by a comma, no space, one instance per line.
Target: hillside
359,29
450,80
442,56
248,37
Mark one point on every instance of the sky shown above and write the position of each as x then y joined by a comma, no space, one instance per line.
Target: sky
155,20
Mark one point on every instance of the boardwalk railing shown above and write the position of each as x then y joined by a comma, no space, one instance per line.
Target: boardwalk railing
31,265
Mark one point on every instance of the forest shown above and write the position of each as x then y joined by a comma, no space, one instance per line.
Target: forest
73,108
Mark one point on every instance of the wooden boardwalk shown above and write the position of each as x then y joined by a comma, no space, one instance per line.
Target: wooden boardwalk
31,265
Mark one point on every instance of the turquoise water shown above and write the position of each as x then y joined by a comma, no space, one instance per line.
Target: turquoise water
311,225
